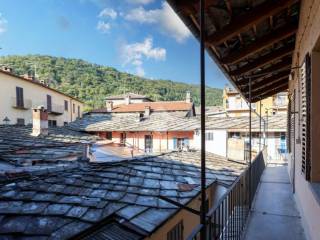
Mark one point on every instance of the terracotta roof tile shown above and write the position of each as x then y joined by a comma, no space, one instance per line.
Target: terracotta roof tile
154,107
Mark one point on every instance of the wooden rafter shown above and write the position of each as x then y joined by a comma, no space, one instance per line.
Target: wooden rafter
244,22
266,81
263,42
280,66
271,85
264,60
270,92
192,6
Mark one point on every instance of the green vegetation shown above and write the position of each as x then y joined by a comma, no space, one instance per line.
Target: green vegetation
92,83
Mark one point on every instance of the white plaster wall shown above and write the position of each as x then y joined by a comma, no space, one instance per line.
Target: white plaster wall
217,146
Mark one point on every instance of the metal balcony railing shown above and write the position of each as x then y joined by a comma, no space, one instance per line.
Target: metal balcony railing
55,109
23,104
226,220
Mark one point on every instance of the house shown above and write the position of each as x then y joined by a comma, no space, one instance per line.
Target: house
48,189
19,94
229,136
235,105
145,126
127,98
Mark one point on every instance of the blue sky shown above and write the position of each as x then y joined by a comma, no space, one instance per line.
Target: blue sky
142,37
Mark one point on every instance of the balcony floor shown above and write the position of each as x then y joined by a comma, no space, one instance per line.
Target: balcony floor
274,213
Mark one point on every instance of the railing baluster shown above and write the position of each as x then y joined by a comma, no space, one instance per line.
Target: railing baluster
228,217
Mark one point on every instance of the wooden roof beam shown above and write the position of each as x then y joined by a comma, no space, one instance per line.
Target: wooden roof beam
271,92
193,6
270,85
245,21
256,84
264,60
265,41
285,64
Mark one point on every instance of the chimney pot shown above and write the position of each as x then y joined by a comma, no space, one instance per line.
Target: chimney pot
128,99
6,69
188,97
39,121
109,106
147,111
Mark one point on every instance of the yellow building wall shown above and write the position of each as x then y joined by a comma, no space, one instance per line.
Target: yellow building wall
267,105
190,220
34,95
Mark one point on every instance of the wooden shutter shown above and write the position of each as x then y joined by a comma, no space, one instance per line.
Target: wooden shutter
291,122
19,97
49,103
305,116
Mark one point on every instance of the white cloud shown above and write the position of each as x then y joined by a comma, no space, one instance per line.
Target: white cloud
140,1
134,54
3,24
108,13
169,23
103,27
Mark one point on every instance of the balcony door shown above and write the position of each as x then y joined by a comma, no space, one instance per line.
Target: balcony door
148,143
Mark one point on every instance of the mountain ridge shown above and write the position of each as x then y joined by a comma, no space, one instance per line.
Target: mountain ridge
91,82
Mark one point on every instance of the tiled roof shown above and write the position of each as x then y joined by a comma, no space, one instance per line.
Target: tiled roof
19,148
154,107
131,122
131,95
60,205
173,122
276,122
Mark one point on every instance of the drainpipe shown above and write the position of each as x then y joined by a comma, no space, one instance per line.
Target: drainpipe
202,119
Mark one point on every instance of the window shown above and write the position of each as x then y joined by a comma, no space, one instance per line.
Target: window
19,97
73,108
109,135
78,111
20,121
209,136
305,116
176,233
52,123
66,105
49,103
65,123
180,143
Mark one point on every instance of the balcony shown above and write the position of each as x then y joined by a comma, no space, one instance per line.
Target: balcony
25,105
56,109
259,205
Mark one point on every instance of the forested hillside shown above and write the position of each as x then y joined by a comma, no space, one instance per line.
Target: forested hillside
92,83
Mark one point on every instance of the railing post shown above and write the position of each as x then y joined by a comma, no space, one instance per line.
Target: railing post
203,123
250,143
260,122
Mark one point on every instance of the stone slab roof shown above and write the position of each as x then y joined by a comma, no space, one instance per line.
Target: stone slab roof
19,148
172,122
62,204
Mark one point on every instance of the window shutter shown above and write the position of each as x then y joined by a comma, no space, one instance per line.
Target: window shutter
49,103
289,125
175,143
305,116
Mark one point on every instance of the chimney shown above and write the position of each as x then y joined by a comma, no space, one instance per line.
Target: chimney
28,77
188,97
39,121
147,111
109,106
128,99
6,69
